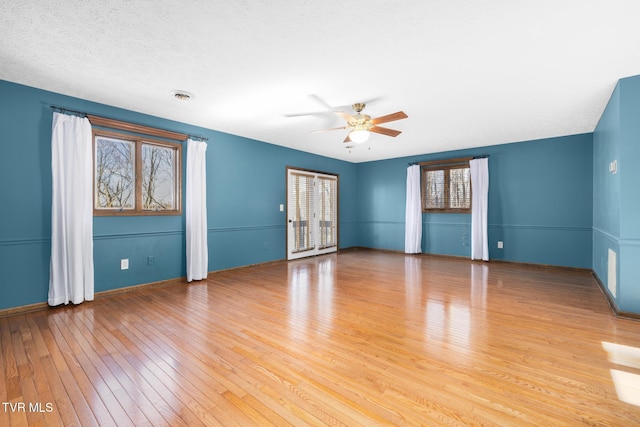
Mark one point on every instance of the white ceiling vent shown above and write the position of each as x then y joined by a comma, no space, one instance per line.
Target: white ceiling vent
182,95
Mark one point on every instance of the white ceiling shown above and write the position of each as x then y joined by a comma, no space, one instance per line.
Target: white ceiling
466,72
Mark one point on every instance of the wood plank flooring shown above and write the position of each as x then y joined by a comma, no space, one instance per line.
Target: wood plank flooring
356,339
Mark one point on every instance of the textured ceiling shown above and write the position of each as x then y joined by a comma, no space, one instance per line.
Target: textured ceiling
467,72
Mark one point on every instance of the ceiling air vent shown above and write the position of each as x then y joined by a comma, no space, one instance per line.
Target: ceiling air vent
181,95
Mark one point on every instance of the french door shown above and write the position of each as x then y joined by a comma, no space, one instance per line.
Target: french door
312,213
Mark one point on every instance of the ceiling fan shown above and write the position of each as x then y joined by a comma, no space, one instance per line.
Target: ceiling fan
360,125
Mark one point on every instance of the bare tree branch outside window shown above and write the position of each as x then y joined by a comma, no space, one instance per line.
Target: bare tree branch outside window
114,181
158,177
446,189
135,176
435,189
459,188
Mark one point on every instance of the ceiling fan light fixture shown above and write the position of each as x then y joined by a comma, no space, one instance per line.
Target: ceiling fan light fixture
361,126
359,136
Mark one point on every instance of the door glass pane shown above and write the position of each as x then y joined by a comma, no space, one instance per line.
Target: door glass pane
327,211
301,199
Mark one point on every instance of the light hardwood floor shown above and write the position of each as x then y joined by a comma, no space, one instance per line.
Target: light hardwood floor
359,338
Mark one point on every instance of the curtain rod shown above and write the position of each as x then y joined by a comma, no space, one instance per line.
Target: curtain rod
85,114
198,137
68,110
450,161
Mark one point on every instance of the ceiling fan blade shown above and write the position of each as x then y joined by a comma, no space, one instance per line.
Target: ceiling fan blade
346,116
313,113
327,109
385,131
389,118
327,130
321,101
347,139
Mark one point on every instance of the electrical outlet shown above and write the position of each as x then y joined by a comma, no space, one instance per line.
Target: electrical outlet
500,245
150,260
124,264
281,207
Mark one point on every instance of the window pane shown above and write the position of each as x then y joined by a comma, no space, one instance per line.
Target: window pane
459,189
158,178
435,189
114,182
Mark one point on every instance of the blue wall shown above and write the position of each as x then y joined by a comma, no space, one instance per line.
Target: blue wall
606,189
551,201
616,201
540,204
246,183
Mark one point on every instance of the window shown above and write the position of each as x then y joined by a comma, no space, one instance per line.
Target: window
446,186
136,175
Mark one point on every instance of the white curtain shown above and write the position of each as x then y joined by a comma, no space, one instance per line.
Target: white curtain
71,268
479,169
413,213
196,211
